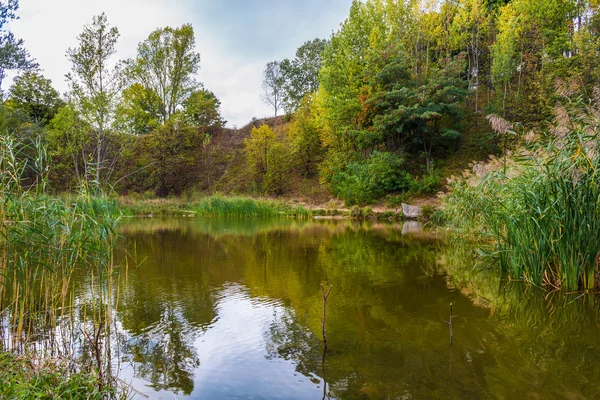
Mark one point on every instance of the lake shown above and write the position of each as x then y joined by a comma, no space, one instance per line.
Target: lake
232,309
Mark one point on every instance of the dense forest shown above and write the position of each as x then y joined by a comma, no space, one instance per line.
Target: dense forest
391,104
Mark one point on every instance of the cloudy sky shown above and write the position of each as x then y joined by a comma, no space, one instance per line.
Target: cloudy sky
235,38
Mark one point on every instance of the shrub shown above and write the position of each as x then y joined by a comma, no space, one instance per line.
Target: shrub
428,184
365,181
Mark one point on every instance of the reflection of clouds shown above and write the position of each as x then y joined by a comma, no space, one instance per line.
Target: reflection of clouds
235,362
236,355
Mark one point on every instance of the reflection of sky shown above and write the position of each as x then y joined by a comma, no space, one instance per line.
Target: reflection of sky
233,358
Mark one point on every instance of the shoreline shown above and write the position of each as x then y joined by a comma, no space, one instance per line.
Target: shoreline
247,206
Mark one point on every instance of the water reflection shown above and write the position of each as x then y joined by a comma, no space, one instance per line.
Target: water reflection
232,309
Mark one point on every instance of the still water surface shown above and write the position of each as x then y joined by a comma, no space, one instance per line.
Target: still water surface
231,309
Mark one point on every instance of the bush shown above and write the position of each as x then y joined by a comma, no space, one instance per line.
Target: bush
427,212
388,215
429,184
365,181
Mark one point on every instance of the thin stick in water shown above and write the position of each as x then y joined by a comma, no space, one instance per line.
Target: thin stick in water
450,324
325,296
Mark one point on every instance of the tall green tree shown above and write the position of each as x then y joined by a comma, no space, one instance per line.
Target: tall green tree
13,54
349,62
278,166
167,64
470,33
426,113
70,147
305,139
258,145
202,109
35,96
504,50
301,74
138,110
94,83
174,149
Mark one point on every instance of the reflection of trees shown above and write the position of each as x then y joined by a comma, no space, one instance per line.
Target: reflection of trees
290,340
373,274
165,305
165,355
385,319
545,335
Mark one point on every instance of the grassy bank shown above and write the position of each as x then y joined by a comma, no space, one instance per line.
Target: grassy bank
213,206
20,378
248,207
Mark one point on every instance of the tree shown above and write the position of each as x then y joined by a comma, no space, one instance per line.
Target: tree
70,147
202,109
301,75
138,110
167,63
94,85
258,145
349,62
304,136
174,149
504,50
274,181
13,55
425,112
34,94
470,28
273,86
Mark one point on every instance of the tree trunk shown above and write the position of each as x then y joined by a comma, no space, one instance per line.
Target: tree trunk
99,156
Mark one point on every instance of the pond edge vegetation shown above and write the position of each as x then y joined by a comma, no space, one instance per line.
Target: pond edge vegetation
541,207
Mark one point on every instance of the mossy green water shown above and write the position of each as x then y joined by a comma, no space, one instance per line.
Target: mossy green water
236,307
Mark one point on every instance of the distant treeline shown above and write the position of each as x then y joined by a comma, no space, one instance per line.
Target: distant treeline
374,110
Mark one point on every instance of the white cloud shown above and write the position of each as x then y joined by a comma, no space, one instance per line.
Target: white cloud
49,28
235,82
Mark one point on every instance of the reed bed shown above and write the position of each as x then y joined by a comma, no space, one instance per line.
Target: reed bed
544,212
54,253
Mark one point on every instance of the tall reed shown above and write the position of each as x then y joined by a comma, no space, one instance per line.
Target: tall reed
544,212
45,244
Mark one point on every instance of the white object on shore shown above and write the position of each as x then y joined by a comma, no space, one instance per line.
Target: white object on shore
411,212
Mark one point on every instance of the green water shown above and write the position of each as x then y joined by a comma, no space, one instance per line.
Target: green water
227,309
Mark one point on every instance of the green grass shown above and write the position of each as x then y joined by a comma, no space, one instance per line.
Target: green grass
213,206
22,379
246,207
